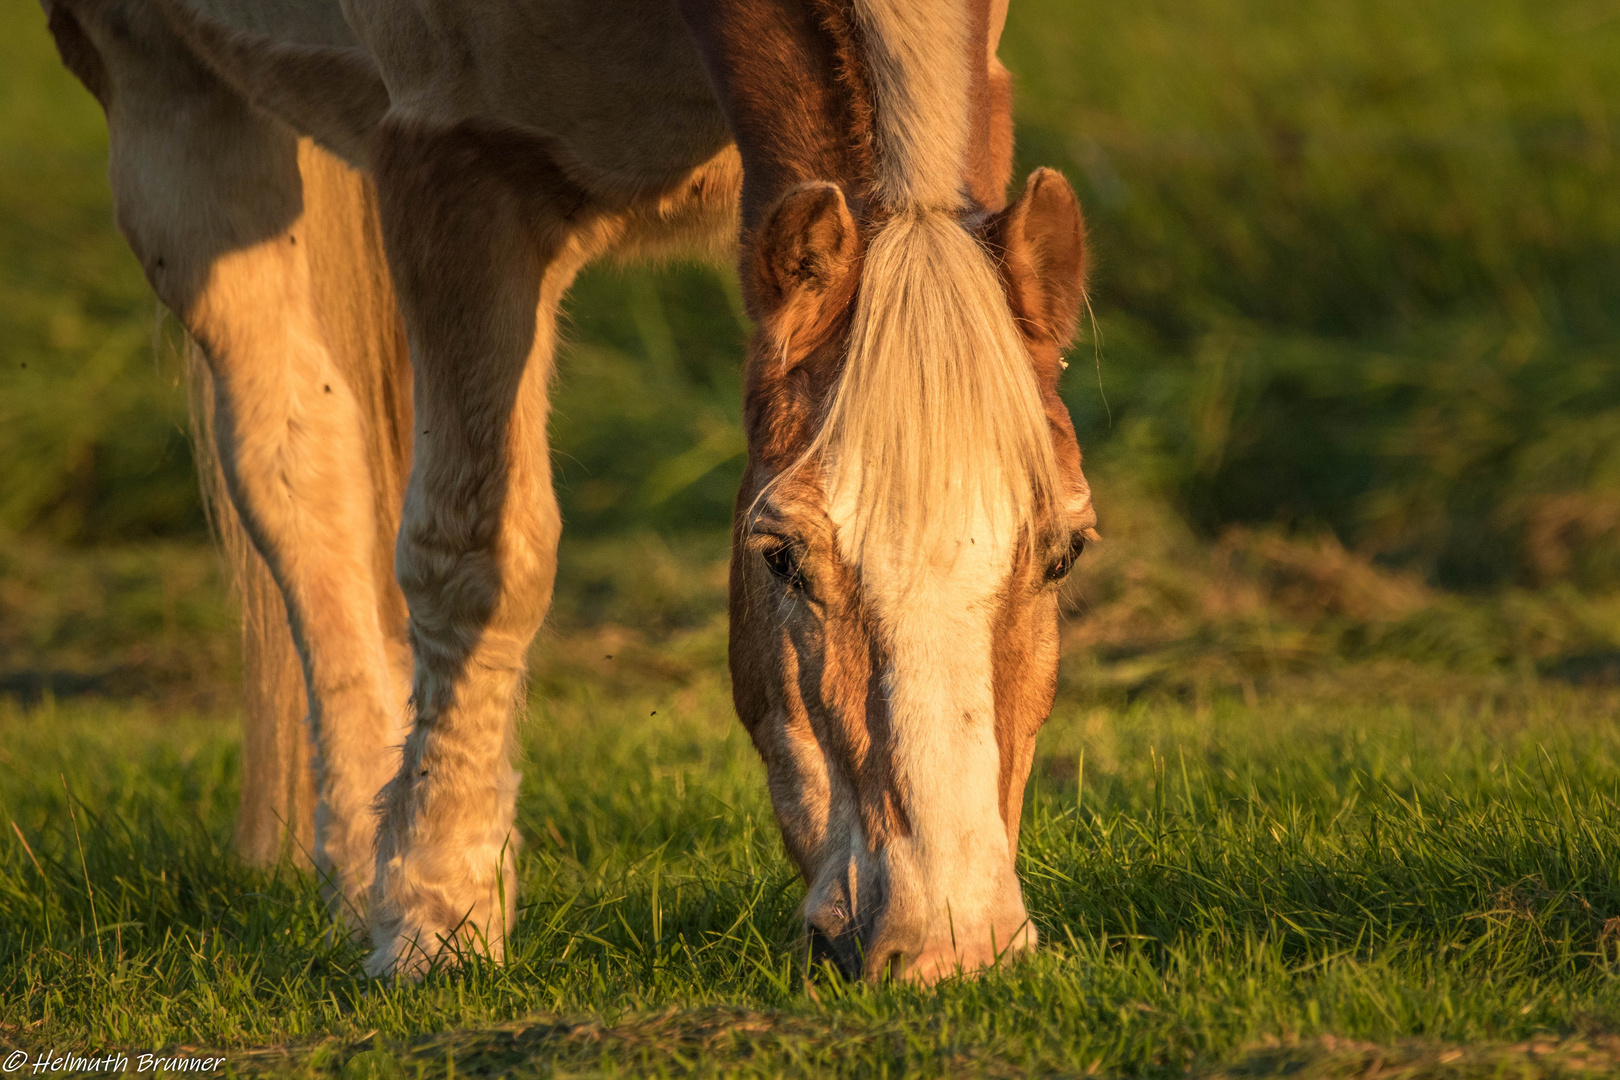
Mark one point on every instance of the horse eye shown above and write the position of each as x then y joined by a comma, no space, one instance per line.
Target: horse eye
1064,563
783,560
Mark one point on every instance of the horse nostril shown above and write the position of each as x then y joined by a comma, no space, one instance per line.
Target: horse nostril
821,950
894,968
825,956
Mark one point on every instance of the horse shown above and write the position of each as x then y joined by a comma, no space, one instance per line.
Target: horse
365,214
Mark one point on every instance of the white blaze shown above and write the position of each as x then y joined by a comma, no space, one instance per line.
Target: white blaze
952,877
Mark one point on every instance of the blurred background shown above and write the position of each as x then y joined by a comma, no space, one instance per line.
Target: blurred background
1350,403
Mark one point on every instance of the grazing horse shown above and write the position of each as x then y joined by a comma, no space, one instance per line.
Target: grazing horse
365,212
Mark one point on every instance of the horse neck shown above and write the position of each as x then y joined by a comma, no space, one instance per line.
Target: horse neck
892,99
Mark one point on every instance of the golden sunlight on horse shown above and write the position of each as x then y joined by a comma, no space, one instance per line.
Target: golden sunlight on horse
366,215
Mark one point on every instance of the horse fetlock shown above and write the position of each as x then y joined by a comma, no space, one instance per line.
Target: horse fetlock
445,887
424,919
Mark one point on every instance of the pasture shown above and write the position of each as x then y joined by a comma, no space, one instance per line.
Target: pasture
1332,787
1346,885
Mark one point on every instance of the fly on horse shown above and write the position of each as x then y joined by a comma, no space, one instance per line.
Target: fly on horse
365,213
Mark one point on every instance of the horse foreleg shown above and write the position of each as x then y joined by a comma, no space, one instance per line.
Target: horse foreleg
480,257
292,441
211,196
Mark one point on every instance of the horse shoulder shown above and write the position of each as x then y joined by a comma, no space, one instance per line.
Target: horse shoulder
296,59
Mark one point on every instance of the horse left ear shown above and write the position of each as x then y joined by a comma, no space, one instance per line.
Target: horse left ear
1041,238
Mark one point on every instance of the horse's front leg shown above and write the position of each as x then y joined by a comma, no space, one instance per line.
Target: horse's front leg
480,258
257,245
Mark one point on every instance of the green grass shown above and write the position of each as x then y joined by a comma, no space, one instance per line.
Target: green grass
1356,266
1354,271
1308,883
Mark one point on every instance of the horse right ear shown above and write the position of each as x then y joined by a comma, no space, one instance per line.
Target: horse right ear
804,265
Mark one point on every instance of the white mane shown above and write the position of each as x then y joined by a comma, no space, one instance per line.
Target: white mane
917,58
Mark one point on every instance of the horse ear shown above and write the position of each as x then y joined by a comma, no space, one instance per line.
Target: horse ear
1042,240
804,263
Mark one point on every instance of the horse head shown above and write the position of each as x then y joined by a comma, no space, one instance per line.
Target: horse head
912,502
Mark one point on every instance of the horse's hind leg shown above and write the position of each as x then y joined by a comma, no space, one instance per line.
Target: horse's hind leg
212,199
481,255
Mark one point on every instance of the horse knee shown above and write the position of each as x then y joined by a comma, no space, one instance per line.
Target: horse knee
483,584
